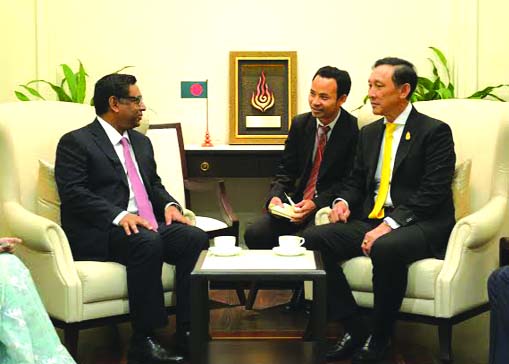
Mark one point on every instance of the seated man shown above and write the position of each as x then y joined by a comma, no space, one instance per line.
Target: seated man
395,207
318,154
114,208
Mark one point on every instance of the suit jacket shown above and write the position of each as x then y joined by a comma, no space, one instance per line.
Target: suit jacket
93,187
421,178
296,163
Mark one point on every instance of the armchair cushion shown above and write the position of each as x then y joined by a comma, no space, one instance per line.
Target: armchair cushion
461,189
104,282
422,276
48,200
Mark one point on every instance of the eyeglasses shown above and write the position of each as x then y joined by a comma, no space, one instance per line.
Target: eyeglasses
135,99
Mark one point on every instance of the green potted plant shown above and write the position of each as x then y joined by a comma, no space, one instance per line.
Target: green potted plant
72,87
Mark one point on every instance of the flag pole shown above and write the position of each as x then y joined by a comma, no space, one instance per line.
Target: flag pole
207,142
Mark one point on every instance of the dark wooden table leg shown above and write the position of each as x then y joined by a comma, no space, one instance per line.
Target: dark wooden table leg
199,319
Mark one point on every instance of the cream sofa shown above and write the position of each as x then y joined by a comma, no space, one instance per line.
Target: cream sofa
445,292
78,294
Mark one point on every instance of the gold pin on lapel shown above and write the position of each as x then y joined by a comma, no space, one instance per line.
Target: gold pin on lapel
407,135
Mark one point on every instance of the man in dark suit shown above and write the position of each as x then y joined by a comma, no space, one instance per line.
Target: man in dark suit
114,208
329,90
395,207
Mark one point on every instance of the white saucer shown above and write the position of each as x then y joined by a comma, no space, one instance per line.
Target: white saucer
224,252
289,253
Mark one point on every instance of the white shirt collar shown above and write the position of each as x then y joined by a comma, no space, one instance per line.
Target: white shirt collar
402,118
112,133
331,124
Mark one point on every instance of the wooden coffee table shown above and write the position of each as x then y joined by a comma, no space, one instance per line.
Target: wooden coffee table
256,265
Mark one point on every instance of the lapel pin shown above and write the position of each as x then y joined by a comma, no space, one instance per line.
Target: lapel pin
407,135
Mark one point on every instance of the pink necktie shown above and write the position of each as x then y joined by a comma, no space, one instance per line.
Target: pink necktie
321,140
140,193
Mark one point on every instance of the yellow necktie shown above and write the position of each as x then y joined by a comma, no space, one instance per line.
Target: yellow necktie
385,178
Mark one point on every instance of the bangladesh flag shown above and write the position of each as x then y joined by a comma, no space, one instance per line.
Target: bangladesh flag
193,89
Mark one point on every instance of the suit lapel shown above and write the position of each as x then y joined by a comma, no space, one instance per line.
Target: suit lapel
373,150
337,134
309,142
104,144
406,138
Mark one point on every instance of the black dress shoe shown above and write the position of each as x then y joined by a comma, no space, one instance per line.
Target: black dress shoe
146,350
374,351
344,348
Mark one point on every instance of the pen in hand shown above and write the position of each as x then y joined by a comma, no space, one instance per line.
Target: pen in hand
289,199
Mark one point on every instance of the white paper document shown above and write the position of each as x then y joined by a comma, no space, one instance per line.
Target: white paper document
287,211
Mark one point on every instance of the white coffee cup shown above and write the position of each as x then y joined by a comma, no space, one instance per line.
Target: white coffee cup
225,243
290,242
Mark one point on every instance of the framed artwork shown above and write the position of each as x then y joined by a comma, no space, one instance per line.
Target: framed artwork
263,96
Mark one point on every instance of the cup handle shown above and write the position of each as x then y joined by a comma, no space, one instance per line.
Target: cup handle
302,241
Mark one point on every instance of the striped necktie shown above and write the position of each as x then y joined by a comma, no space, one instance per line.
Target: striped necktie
321,140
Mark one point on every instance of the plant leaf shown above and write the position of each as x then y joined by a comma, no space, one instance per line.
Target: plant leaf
70,78
496,97
481,94
32,91
61,94
435,69
443,60
81,84
424,82
21,96
123,68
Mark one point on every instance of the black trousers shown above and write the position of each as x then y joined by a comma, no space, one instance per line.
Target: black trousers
143,255
391,254
265,231
498,292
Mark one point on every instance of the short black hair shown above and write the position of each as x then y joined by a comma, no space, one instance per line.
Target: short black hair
404,72
115,84
343,81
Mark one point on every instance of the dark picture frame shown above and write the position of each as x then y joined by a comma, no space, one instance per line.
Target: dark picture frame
263,96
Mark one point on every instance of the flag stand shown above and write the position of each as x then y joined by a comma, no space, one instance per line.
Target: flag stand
207,142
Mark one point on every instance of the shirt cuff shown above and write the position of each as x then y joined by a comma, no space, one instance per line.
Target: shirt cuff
338,200
174,204
119,217
391,222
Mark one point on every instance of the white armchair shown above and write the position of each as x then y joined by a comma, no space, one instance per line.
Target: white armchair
446,292
79,294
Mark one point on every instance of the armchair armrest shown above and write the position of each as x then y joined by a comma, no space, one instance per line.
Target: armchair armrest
38,233
471,256
225,207
190,215
322,216
46,253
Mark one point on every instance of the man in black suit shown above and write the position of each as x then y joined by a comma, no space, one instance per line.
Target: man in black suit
329,90
396,215
106,177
